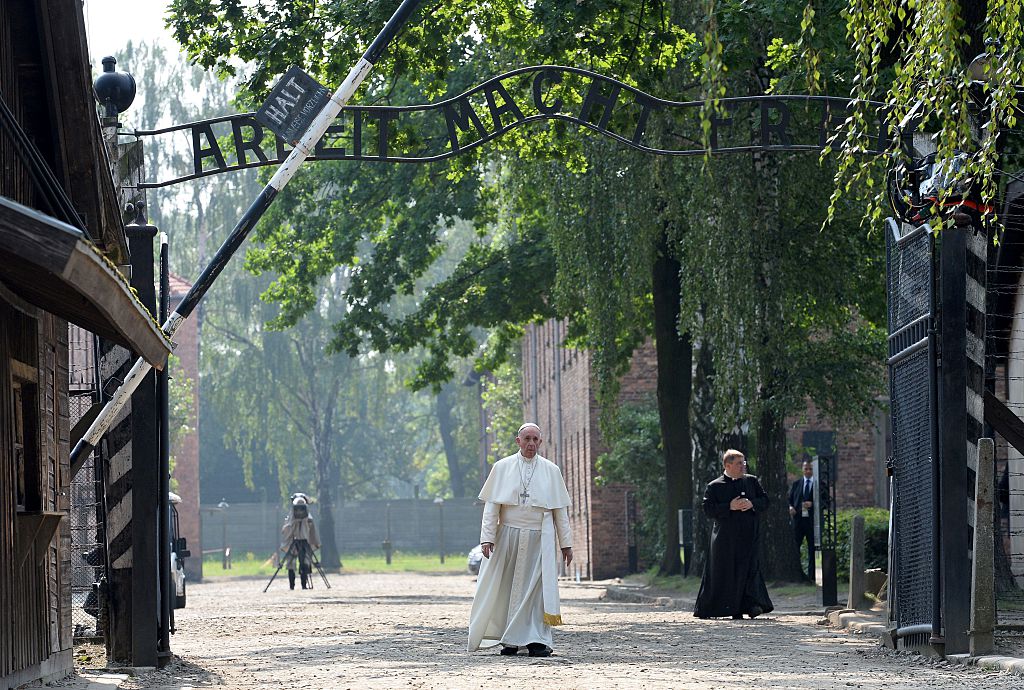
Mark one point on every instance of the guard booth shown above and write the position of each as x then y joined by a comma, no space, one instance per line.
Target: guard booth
61,240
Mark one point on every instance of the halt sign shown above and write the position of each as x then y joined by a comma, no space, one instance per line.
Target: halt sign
293,103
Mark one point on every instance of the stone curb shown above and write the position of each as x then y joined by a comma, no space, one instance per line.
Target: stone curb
868,624
629,595
860,622
1010,664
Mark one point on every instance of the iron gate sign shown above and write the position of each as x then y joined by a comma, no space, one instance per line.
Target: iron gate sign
441,130
292,105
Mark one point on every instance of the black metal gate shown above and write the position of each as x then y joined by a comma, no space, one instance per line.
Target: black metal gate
910,276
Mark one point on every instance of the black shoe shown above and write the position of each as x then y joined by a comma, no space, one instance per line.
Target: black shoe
737,616
291,579
538,649
509,651
755,611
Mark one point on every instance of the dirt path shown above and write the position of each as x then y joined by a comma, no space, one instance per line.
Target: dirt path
409,631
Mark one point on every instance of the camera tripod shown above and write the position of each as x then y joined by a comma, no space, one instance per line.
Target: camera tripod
297,549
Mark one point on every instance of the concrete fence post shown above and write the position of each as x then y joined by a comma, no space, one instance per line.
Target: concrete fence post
856,600
983,612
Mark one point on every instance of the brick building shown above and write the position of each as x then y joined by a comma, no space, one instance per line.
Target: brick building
860,480
558,395
186,449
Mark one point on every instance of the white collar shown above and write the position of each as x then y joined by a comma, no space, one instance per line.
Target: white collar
524,458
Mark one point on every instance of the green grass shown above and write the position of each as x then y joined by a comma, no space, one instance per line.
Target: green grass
259,564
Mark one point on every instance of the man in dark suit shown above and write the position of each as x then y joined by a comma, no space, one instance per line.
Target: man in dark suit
801,511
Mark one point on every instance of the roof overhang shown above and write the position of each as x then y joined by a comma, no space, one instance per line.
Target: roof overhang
49,264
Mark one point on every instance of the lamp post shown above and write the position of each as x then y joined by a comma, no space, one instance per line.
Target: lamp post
225,558
439,502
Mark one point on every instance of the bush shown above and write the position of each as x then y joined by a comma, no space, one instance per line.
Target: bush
876,539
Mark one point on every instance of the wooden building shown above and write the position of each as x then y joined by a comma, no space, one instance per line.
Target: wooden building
61,240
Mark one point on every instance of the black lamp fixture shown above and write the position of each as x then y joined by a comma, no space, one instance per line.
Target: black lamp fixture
114,89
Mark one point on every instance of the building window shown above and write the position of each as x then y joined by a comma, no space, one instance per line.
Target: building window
26,447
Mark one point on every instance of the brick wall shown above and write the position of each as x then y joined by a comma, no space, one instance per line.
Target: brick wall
186,450
559,396
860,479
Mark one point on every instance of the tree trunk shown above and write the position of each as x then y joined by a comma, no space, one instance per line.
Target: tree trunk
675,359
707,463
446,426
329,557
779,556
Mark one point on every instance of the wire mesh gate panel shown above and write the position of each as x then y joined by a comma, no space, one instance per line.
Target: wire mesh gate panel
88,540
909,272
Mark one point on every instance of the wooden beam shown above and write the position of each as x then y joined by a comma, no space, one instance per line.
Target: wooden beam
25,372
1004,421
81,426
81,147
50,265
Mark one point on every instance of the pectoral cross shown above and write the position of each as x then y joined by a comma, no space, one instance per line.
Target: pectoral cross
523,496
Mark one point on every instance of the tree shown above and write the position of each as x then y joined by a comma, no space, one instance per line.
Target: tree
669,247
621,36
196,215
931,44
274,411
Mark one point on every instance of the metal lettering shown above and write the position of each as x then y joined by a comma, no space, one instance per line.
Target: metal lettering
242,144
780,125
595,97
509,107
326,152
461,119
552,77
383,117
357,133
647,104
716,123
213,150
780,129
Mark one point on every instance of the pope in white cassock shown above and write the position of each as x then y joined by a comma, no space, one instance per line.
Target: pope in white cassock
516,600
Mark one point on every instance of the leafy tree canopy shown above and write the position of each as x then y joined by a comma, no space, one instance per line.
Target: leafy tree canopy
404,213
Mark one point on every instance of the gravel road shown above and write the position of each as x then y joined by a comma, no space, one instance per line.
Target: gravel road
409,631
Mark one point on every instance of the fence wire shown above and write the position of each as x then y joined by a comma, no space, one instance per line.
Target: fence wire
1005,342
1009,546
86,514
909,278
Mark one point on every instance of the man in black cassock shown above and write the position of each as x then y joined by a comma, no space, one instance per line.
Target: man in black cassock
732,584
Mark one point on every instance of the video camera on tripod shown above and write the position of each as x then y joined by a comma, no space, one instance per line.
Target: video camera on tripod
299,543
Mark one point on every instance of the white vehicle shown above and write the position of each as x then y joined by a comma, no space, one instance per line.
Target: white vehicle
179,552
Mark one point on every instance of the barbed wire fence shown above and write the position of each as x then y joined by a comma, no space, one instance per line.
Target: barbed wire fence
1005,342
86,518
